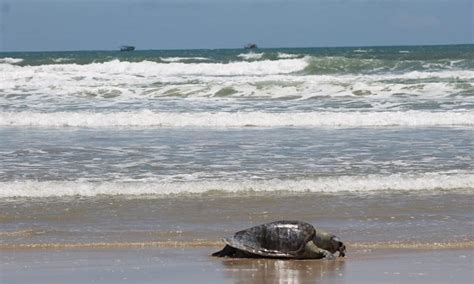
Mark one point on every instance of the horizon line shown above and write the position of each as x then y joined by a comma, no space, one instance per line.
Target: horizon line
237,48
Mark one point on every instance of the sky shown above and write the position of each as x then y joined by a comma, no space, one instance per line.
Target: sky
55,25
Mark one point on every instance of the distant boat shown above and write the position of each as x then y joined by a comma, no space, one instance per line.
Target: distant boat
251,46
127,48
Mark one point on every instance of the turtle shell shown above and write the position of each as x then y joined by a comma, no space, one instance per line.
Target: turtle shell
281,239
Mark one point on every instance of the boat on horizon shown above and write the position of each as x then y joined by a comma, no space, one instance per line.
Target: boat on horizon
127,48
251,46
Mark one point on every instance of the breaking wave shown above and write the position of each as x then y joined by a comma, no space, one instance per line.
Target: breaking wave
283,55
179,59
345,65
151,68
370,183
9,60
148,118
297,77
252,64
250,56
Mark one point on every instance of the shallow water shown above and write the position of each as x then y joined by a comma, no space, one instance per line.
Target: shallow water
55,162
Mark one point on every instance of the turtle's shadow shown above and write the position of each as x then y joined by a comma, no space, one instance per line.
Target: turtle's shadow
262,270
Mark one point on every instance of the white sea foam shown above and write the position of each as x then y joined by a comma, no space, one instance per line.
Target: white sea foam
148,118
148,69
282,55
45,92
46,87
250,56
62,59
178,59
153,69
371,183
10,60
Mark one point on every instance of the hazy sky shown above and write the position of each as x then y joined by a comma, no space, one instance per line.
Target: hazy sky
29,25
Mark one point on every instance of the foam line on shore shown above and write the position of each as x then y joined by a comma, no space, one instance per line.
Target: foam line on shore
366,184
148,118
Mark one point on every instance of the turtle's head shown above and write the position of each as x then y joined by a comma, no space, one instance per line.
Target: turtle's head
329,242
338,246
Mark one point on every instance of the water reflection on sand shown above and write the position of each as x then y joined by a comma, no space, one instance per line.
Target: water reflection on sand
283,271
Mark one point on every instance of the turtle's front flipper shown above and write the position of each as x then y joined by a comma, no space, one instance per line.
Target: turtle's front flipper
314,252
327,254
226,251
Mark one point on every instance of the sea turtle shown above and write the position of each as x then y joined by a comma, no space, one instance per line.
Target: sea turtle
283,239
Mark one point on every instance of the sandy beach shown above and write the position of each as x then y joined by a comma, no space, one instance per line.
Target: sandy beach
191,265
391,238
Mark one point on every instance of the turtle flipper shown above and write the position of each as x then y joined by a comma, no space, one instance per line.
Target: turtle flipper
318,254
312,251
327,254
226,251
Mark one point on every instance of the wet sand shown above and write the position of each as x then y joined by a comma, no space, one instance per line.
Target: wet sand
186,265
391,238
402,217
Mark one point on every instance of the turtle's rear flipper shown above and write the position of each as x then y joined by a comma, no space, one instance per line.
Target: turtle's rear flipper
226,251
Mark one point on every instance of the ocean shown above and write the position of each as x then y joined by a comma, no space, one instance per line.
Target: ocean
106,148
